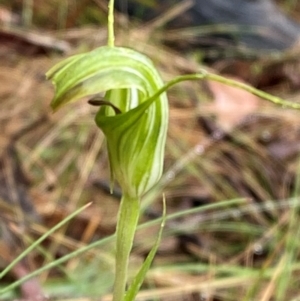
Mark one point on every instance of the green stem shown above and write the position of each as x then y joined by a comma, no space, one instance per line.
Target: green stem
204,75
111,35
126,227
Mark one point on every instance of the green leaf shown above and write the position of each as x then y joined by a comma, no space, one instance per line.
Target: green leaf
139,278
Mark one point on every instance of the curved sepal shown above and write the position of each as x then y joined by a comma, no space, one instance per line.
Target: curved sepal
135,137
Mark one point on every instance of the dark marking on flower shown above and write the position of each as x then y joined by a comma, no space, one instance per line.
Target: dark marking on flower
99,101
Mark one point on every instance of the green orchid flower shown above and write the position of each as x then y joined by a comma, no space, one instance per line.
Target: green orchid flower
136,131
134,118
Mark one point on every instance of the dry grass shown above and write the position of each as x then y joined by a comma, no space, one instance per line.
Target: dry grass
245,251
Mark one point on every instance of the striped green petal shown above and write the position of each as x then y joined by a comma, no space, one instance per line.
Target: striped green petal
136,137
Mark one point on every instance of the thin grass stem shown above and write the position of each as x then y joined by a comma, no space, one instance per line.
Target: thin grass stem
42,238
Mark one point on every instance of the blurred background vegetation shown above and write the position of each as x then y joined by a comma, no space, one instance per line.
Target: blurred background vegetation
232,168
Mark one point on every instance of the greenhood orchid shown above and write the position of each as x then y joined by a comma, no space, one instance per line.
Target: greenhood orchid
134,118
136,133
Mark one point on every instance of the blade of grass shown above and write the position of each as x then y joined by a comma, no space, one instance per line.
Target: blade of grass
291,245
42,238
218,215
112,237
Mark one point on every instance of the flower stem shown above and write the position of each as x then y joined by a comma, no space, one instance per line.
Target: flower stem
205,75
126,227
111,35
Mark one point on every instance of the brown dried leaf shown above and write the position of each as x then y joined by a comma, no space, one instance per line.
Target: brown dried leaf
7,17
231,105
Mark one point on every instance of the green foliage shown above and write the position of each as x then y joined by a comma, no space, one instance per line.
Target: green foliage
138,280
